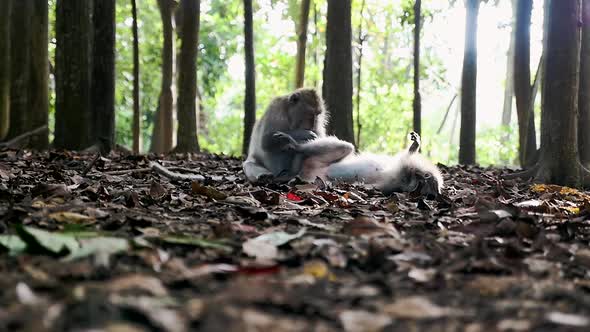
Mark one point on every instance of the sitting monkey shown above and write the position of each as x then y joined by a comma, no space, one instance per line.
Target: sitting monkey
288,121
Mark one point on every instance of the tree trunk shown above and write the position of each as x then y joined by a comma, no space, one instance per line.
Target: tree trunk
301,43
522,84
103,74
559,162
417,104
468,86
250,93
509,84
359,73
136,110
337,86
39,75
163,124
584,96
6,8
187,77
20,67
72,75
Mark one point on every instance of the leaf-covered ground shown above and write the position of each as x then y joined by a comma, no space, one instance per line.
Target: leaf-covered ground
91,242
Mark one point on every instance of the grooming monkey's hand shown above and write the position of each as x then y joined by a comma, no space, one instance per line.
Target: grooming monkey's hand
415,141
285,142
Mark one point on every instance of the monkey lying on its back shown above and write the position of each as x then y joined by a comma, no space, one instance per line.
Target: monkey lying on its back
407,171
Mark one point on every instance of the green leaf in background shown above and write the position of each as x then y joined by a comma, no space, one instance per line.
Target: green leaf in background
12,243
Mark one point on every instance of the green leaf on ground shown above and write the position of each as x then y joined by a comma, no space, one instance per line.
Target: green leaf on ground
99,246
39,240
12,243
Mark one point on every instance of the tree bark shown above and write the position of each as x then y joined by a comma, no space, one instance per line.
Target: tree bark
103,74
359,73
250,93
187,77
6,8
468,86
417,103
301,43
509,85
522,84
136,108
20,67
337,87
559,162
39,75
72,75
584,96
164,125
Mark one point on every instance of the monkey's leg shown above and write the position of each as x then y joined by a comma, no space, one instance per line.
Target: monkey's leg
325,150
254,171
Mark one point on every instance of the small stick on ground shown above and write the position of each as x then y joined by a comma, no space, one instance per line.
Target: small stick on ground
89,167
174,175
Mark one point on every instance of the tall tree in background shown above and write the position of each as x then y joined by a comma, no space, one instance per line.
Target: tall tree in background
509,82
103,74
522,84
6,8
559,161
20,67
72,75
136,109
360,42
417,104
584,96
337,88
163,123
188,30
468,86
250,93
39,75
301,43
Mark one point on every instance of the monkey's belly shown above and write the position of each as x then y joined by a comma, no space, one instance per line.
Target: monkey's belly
367,168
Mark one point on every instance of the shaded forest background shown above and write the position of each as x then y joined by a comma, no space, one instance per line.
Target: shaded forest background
388,46
383,30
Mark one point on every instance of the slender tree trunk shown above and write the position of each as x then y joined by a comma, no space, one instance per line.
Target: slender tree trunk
359,72
6,8
250,93
103,74
338,69
187,77
584,96
136,108
417,103
509,85
468,86
20,68
163,125
72,75
39,79
301,43
522,83
559,162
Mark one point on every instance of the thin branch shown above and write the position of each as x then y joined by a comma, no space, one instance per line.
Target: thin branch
15,141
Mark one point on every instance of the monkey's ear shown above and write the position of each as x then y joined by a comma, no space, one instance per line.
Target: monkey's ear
294,98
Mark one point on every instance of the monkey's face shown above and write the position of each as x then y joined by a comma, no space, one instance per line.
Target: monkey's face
303,108
414,181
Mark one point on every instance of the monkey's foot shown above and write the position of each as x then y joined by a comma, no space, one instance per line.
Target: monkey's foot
415,141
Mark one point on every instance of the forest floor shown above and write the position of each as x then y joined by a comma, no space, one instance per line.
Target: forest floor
88,242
